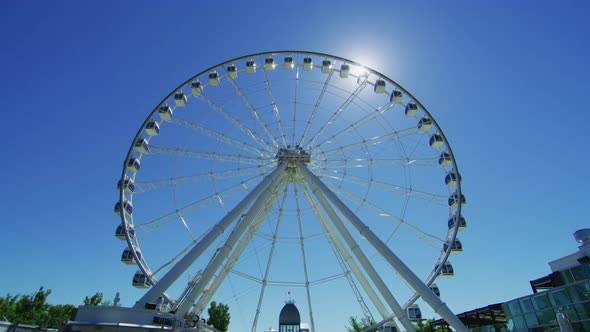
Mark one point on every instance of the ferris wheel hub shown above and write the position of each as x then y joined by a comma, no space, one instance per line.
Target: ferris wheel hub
293,155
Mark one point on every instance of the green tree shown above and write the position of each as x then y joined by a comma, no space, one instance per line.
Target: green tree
219,316
356,325
95,300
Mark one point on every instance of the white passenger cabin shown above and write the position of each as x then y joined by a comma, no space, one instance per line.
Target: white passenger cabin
214,79
344,70
396,96
196,88
462,223
180,99
269,64
165,112
379,86
446,271
140,280
250,67
307,64
232,72
152,128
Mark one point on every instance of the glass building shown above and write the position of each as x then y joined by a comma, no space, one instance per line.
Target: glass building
560,300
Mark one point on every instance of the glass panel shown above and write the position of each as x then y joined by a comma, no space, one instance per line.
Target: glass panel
580,292
526,305
531,320
513,309
541,302
567,276
569,311
581,272
546,317
559,298
519,323
583,310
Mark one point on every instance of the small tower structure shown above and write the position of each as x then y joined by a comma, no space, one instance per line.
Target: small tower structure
289,319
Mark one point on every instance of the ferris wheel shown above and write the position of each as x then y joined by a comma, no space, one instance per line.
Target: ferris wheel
285,170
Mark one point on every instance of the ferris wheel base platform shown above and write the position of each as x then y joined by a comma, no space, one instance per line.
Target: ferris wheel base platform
122,319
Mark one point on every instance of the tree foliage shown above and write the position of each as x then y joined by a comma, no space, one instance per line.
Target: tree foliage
356,325
219,316
33,309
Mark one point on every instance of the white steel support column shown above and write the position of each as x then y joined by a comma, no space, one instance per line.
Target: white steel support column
261,205
339,246
314,184
319,188
185,262
235,255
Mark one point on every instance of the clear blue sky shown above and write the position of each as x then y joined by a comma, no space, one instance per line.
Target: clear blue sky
506,81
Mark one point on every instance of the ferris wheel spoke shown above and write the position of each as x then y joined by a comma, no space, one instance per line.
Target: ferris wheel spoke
238,188
237,123
227,174
337,112
221,137
352,163
269,259
275,108
361,181
254,112
396,220
373,142
207,155
371,116
315,109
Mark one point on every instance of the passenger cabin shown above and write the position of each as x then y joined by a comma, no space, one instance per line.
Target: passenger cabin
127,206
140,280
127,184
326,66
434,288
127,256
152,128
462,223
451,179
396,96
269,64
446,271
180,99
414,313
454,200
214,79
456,247
307,63
344,70
250,67
379,86
232,72
120,232
436,141
196,88
411,109
289,63
165,112
445,159
141,145
424,124
133,165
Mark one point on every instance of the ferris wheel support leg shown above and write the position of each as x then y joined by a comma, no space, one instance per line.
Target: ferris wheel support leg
262,205
435,303
339,246
235,255
316,185
185,262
